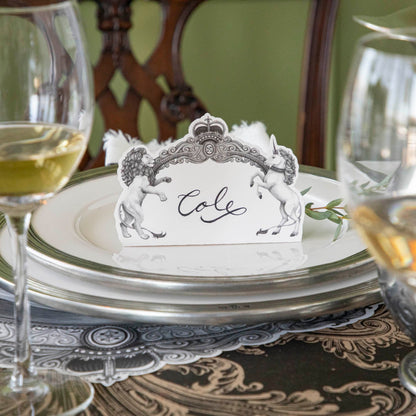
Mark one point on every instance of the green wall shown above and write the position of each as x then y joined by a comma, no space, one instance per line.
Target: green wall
243,58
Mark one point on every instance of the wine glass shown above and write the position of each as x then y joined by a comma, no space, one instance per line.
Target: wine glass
376,160
46,107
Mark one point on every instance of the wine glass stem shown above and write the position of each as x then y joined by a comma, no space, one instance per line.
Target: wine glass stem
24,372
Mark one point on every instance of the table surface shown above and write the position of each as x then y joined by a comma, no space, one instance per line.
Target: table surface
351,370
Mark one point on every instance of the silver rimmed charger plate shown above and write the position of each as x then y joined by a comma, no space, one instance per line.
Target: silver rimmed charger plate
75,234
75,254
109,306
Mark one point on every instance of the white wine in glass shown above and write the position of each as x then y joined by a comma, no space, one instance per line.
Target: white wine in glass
36,159
377,157
46,108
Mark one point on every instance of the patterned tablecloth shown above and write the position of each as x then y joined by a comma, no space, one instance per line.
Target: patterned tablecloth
340,364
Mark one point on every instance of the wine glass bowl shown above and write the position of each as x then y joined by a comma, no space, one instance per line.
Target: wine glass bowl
376,162
46,110
45,96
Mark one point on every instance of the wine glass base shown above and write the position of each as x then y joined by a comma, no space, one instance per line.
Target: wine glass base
65,395
407,372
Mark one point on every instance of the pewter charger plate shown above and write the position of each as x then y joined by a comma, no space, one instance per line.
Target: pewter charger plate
77,264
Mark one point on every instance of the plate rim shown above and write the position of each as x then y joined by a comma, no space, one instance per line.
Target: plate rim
360,295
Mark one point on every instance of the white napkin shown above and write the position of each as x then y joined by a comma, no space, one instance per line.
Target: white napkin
117,142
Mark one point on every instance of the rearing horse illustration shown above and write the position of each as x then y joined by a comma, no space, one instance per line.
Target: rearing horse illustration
281,173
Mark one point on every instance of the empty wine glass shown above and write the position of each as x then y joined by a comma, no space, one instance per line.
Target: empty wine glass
46,107
377,157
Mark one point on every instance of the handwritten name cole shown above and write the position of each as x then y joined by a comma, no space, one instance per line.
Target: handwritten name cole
219,208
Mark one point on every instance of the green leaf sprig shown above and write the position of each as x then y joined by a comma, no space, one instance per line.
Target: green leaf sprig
333,211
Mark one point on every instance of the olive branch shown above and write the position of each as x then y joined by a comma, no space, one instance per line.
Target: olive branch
333,211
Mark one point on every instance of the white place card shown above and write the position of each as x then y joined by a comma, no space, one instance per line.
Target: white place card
208,188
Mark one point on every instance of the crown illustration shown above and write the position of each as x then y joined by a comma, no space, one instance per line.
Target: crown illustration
208,128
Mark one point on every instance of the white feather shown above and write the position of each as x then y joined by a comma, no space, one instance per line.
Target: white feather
116,143
254,134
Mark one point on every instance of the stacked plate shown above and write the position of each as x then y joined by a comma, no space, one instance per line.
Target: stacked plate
78,264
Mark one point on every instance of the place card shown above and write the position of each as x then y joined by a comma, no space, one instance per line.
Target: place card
208,188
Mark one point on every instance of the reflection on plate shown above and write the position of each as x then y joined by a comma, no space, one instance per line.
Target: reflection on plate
85,244
232,260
